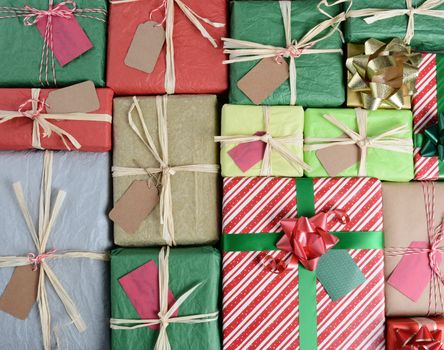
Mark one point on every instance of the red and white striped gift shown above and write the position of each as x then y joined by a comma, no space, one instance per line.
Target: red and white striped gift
425,113
260,309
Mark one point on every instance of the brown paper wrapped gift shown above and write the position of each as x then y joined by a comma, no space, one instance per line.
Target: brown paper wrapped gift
381,75
184,168
405,221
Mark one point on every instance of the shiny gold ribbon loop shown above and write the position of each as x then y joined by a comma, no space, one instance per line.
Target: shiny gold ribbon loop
384,74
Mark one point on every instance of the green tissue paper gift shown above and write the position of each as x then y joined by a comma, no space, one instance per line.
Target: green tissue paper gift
357,142
181,310
52,43
419,22
271,68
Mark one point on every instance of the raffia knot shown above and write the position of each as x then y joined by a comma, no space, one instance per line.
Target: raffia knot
37,260
36,15
164,321
365,142
37,106
266,138
166,170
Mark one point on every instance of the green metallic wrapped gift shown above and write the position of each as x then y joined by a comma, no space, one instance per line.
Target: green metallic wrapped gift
357,142
314,58
162,296
262,141
419,22
73,49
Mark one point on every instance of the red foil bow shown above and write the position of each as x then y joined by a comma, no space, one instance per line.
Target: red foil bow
308,239
423,339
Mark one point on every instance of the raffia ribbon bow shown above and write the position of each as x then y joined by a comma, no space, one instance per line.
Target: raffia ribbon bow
386,141
164,169
43,121
165,315
40,236
193,17
272,143
427,8
385,73
244,51
32,16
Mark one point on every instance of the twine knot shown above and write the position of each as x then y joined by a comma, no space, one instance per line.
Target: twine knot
36,260
37,106
60,10
435,253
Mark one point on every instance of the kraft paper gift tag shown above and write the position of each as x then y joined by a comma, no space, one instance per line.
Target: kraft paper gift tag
265,77
21,292
135,205
78,98
69,40
145,47
335,159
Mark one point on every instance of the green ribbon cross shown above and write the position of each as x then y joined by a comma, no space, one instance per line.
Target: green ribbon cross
308,332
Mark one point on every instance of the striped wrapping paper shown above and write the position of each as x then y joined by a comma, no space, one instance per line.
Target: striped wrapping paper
427,103
261,309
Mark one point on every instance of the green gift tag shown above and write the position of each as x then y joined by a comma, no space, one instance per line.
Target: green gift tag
338,273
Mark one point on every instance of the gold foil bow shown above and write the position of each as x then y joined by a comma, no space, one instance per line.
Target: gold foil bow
384,74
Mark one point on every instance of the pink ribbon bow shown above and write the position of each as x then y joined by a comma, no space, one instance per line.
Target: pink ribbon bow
36,260
308,239
60,10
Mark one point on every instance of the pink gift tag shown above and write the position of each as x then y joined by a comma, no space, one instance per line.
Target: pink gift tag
248,154
412,274
142,288
69,39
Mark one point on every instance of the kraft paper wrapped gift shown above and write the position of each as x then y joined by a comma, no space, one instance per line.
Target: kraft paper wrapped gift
335,146
407,210
427,27
428,118
91,130
285,124
80,226
135,296
415,332
22,45
319,77
292,308
194,61
191,124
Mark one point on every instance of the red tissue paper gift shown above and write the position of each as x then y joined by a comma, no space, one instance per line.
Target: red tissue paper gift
78,117
184,52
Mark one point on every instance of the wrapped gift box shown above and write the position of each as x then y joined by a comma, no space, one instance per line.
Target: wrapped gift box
17,133
81,225
319,77
414,332
188,267
22,45
406,228
284,122
263,310
192,123
195,58
427,29
428,109
384,164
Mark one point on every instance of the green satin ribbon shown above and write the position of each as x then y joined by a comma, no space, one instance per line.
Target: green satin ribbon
432,140
308,325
